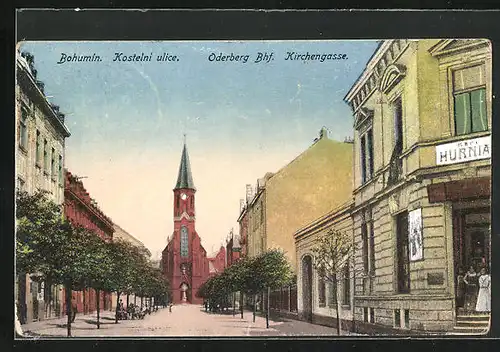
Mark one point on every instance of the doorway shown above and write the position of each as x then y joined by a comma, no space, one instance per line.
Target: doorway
307,287
472,243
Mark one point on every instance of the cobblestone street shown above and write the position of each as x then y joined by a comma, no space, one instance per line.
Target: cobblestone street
184,320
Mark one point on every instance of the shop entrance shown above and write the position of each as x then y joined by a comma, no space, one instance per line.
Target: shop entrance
471,234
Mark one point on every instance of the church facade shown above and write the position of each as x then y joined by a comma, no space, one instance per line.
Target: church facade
184,260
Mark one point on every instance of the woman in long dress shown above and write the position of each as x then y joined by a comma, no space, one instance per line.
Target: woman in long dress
470,280
484,296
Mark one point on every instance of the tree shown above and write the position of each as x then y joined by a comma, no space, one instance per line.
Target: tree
272,270
53,248
37,234
124,269
101,260
332,253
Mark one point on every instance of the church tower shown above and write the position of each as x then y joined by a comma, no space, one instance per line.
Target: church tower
184,258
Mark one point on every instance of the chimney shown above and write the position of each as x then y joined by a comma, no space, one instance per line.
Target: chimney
242,204
323,133
249,192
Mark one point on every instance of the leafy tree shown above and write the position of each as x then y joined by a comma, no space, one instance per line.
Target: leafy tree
332,252
101,260
271,270
52,248
124,272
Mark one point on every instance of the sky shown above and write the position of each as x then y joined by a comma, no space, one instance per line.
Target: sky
241,120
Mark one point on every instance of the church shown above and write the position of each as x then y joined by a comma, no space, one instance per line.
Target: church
184,261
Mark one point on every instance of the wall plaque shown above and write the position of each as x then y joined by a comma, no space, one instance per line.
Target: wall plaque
435,278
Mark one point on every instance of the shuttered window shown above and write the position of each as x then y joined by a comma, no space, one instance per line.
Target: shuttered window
469,91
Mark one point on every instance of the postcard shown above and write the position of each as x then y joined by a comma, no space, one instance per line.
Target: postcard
253,188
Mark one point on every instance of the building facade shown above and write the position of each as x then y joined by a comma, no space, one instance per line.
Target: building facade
81,210
233,249
217,262
422,173
40,143
318,298
309,186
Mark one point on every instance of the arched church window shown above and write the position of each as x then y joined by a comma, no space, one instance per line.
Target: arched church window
184,242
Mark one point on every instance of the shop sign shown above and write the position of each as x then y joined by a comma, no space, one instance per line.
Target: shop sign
463,151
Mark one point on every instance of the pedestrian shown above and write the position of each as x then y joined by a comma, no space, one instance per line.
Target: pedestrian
74,310
470,280
484,295
170,307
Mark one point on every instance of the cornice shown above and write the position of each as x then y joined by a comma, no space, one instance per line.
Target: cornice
52,117
452,46
91,209
385,55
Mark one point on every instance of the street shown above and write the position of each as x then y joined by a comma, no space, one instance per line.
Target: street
184,320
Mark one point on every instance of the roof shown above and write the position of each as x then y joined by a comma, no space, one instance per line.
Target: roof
185,178
211,267
28,77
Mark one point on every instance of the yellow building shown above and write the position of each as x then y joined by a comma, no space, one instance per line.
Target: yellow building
40,143
422,119
315,182
319,299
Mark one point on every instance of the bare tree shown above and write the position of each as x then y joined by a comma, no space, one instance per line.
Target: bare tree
333,253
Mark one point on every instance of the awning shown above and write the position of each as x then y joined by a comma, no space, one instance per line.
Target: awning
470,188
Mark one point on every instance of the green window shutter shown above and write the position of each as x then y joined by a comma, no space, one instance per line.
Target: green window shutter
462,114
478,104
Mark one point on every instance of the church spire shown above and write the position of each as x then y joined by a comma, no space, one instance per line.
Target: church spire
185,179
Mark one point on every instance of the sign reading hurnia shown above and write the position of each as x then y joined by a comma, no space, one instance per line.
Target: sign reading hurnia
463,151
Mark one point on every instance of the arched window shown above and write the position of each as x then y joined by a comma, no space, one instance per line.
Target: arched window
184,242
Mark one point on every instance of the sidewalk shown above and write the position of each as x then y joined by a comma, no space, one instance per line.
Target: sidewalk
82,321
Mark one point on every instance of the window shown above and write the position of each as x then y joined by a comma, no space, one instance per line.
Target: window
398,125
346,299
184,242
366,151
469,93
38,155
53,164
364,176
365,314
364,238
23,129
407,318
371,241
45,156
332,299
372,315
321,289
397,318
369,146
470,112
403,260
61,180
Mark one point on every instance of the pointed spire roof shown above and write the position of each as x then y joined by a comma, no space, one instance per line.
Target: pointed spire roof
185,178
